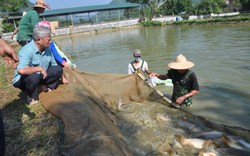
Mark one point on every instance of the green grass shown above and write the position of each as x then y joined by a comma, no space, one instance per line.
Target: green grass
212,20
241,18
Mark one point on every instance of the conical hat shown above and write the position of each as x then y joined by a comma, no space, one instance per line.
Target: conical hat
41,4
181,63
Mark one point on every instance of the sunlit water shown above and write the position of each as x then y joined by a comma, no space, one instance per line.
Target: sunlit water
221,54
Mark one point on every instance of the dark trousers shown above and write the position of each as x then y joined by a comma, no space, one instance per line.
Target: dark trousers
31,83
2,135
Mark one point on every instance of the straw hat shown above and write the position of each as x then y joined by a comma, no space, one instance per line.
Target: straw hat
41,4
181,63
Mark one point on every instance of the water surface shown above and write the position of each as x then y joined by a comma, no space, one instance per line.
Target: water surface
221,54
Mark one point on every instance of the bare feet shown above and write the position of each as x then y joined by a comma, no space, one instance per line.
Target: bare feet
44,88
31,101
64,80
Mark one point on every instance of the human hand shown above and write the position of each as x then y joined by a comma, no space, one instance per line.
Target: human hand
65,64
8,54
44,73
153,75
180,100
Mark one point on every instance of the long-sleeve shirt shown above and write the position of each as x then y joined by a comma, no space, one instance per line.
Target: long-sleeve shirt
26,25
55,53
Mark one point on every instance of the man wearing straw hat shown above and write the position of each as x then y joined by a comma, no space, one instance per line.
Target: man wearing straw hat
184,80
28,22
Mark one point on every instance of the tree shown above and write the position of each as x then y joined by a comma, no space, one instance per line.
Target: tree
12,5
233,5
245,4
177,6
155,5
150,8
209,6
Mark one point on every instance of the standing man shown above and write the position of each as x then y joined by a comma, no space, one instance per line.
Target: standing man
138,63
37,69
28,22
184,80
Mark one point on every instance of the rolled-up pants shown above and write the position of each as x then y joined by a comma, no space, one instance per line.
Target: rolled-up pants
31,83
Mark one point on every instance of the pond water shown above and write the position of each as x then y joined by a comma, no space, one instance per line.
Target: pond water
221,54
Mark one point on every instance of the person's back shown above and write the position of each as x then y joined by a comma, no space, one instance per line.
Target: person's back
28,22
26,25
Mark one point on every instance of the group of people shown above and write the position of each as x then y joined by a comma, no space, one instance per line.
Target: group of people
40,60
37,70
185,83
38,66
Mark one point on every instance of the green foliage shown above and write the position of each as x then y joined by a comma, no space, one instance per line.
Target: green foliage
83,21
245,4
209,6
150,8
156,23
12,5
145,11
8,27
64,23
149,23
213,20
185,16
172,7
146,23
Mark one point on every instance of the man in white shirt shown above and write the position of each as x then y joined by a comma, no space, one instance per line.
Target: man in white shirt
138,63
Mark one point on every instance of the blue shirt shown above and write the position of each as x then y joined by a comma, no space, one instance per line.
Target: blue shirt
55,53
30,56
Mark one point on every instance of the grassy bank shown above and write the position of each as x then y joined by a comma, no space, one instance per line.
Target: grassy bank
29,130
214,20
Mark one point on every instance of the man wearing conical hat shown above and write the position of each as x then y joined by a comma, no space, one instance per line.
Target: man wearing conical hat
184,80
28,22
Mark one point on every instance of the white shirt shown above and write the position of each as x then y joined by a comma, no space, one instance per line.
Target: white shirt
138,65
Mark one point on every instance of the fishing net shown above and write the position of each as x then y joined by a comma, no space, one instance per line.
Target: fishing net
85,106
89,108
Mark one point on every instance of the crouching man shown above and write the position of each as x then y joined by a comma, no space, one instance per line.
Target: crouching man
37,69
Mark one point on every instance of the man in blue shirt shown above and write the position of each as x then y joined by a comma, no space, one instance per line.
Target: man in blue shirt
37,69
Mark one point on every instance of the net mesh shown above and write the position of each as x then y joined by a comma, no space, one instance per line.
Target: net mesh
85,106
88,105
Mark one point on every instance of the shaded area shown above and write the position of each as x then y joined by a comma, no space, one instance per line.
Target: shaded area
118,114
